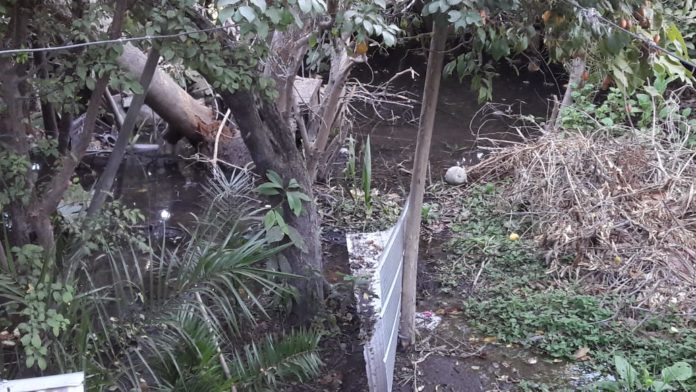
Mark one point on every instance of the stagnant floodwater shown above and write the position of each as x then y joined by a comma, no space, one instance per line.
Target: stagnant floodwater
167,189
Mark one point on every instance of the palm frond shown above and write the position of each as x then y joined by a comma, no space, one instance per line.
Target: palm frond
278,360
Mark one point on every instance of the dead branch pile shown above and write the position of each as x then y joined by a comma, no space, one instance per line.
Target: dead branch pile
619,210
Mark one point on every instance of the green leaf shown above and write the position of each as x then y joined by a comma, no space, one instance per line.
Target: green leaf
368,27
293,184
274,15
279,220
261,4
247,12
660,386
674,35
67,297
268,189
226,13
42,363
294,202
680,371
274,234
305,5
607,121
500,48
297,239
454,16
389,38
30,361
626,372
269,220
36,340
275,178
433,7
262,28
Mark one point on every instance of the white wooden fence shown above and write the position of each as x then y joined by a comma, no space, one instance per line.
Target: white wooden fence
378,259
72,382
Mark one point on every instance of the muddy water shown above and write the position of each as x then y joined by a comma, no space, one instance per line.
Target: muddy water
162,187
462,125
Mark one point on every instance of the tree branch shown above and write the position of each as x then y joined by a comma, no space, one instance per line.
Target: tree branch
45,204
107,178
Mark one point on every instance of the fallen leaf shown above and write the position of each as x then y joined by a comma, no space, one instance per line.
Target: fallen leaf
581,352
490,339
440,312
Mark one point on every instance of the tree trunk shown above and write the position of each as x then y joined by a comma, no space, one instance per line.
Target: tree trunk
407,331
577,67
321,126
272,146
186,116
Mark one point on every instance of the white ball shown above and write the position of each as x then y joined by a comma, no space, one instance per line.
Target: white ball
455,175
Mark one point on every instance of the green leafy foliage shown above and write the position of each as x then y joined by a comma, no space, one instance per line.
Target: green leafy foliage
169,318
13,170
499,30
628,379
683,14
652,106
274,224
32,292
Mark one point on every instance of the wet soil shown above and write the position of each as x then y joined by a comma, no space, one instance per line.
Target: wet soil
450,357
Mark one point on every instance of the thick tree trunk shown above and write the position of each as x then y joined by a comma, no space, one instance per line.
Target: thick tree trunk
267,134
407,330
272,145
186,116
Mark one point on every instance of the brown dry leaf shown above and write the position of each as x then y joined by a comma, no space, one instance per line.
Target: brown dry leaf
581,352
453,310
440,312
490,339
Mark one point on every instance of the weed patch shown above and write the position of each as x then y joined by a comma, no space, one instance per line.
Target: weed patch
511,296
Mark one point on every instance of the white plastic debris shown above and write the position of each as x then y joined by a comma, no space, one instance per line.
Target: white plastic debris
427,320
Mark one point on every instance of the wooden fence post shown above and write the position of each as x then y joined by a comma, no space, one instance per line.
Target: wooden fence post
407,331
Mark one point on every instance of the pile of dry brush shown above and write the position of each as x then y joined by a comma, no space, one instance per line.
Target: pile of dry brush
617,212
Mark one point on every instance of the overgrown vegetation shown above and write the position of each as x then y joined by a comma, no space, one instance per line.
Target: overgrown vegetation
511,296
550,252
174,318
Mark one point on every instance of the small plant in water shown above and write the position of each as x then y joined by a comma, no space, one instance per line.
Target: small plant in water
350,170
367,176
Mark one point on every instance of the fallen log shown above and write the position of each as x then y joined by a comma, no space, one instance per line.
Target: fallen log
187,117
